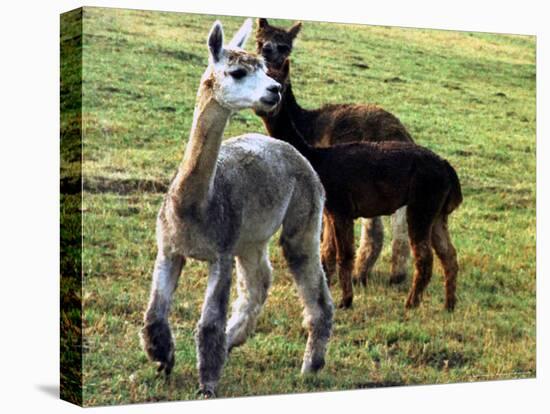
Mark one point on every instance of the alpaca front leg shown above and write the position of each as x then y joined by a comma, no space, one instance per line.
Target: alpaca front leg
345,251
156,337
328,248
372,240
210,335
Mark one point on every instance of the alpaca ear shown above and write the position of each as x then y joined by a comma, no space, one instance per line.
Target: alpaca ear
262,23
242,35
215,41
295,29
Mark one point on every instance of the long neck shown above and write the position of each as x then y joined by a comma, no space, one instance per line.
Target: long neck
291,104
283,125
195,176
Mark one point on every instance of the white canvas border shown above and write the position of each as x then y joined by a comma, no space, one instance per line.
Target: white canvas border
29,210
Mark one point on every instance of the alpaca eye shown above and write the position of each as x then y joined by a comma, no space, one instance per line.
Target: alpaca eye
283,48
238,74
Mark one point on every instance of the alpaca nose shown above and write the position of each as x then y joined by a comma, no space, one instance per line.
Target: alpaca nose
275,88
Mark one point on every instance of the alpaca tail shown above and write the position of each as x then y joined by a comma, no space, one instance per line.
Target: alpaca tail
454,199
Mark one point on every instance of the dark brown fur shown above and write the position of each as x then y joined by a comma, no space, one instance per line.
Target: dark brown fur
275,43
335,124
371,179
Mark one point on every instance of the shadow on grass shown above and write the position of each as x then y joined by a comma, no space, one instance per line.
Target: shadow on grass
380,278
123,186
379,384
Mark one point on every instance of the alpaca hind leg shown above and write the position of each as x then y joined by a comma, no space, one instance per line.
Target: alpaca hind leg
446,253
210,335
301,251
253,282
156,337
345,250
422,211
423,262
372,239
400,246
328,248
420,219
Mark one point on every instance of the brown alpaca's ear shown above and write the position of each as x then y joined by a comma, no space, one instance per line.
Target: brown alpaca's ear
262,23
295,29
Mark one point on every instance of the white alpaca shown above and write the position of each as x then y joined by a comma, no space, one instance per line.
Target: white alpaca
226,201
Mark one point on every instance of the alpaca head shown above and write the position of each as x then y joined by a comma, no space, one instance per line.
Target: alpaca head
237,78
275,43
282,76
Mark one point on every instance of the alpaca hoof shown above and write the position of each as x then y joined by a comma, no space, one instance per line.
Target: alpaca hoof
345,303
450,306
329,278
205,393
360,281
231,346
313,367
397,278
411,303
157,342
166,367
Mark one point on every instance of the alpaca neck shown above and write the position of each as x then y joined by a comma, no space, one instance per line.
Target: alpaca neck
291,104
283,125
195,177
296,113
303,119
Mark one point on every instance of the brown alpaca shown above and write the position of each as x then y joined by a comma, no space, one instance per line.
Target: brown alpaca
335,124
371,179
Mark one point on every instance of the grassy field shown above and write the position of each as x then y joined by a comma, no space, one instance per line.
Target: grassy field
468,96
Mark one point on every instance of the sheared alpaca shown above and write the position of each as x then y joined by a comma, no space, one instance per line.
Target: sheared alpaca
372,179
335,124
226,201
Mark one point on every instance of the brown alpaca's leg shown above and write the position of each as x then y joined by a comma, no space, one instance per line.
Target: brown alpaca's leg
446,252
420,217
343,230
328,248
400,246
423,263
372,239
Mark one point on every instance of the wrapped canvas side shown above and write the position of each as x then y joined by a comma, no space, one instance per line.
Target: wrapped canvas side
71,207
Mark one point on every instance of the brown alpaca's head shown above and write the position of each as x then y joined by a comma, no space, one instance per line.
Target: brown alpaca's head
275,43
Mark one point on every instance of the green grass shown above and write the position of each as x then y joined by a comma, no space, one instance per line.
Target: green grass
468,96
